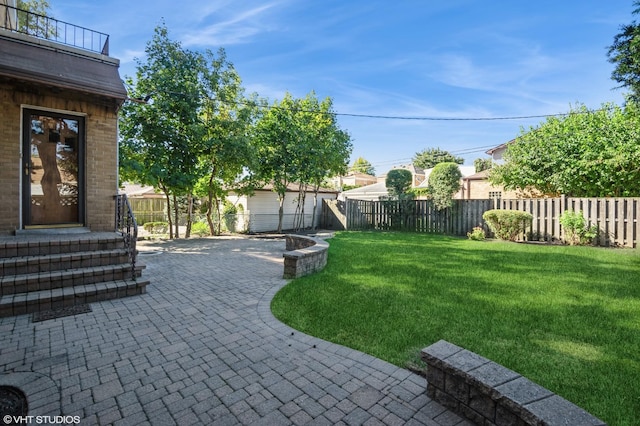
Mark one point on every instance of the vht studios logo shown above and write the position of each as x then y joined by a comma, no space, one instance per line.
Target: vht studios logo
16,420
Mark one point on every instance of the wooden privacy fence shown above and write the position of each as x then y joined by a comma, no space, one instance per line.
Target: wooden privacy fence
616,218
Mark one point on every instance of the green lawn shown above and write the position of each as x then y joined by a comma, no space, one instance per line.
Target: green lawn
567,318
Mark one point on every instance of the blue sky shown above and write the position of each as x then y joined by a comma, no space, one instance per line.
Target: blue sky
435,59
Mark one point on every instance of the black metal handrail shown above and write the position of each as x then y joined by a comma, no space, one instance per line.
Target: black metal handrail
47,28
126,225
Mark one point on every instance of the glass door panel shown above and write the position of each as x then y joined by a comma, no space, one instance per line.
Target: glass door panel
53,170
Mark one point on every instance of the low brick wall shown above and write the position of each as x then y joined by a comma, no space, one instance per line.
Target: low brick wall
304,256
487,393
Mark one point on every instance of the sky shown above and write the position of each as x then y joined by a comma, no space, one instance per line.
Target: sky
451,69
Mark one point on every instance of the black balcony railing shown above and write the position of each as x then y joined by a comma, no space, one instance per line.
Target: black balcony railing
46,28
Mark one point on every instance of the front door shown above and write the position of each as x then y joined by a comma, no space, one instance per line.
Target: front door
52,156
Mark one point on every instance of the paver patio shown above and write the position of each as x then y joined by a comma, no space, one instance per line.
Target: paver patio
202,347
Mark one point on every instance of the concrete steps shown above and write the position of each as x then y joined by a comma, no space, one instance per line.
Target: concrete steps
49,272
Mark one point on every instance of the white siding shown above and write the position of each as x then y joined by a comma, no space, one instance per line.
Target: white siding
262,209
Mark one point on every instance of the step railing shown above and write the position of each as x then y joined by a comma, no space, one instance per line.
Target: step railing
126,225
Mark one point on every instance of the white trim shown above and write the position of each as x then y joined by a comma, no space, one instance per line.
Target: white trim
54,110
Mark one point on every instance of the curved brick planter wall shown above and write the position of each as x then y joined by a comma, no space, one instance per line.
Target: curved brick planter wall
304,256
489,394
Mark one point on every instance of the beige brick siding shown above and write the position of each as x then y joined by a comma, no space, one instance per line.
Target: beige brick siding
100,151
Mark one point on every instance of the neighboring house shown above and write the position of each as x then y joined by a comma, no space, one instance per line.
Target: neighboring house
147,204
418,174
478,187
464,171
60,92
497,153
354,179
378,190
261,208
370,192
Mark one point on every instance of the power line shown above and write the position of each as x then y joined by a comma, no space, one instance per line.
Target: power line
395,117
372,116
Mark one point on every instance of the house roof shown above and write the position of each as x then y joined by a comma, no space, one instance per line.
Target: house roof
42,62
478,176
295,187
464,171
135,190
379,188
499,147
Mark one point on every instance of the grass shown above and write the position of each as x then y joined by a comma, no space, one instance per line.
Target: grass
568,318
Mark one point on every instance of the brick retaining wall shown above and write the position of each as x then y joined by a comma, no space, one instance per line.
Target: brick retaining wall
487,393
304,256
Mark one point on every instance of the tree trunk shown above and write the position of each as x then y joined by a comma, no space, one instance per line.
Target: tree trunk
169,221
189,212
280,211
212,230
176,217
316,188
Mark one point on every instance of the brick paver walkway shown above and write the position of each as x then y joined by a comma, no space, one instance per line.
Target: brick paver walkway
201,347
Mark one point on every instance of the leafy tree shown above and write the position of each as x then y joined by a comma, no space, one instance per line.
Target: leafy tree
161,139
444,182
298,140
583,154
227,152
428,158
624,54
324,148
29,23
398,182
360,165
482,164
276,137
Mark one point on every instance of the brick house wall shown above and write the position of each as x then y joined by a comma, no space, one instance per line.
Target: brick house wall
100,150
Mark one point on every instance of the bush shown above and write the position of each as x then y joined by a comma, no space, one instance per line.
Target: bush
477,234
575,228
229,212
200,228
507,224
444,182
156,227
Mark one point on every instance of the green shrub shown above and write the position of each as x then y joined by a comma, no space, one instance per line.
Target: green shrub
507,224
229,212
156,227
476,234
575,228
200,228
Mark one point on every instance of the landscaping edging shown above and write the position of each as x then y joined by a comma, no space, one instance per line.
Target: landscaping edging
304,256
487,393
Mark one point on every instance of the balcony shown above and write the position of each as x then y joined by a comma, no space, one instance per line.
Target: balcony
52,30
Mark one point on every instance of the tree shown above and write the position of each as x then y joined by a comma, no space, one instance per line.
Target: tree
298,140
276,137
444,182
360,165
398,182
583,154
324,149
429,157
624,54
32,24
161,139
482,164
227,152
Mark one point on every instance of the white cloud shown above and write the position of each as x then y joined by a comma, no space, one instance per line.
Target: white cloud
237,29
